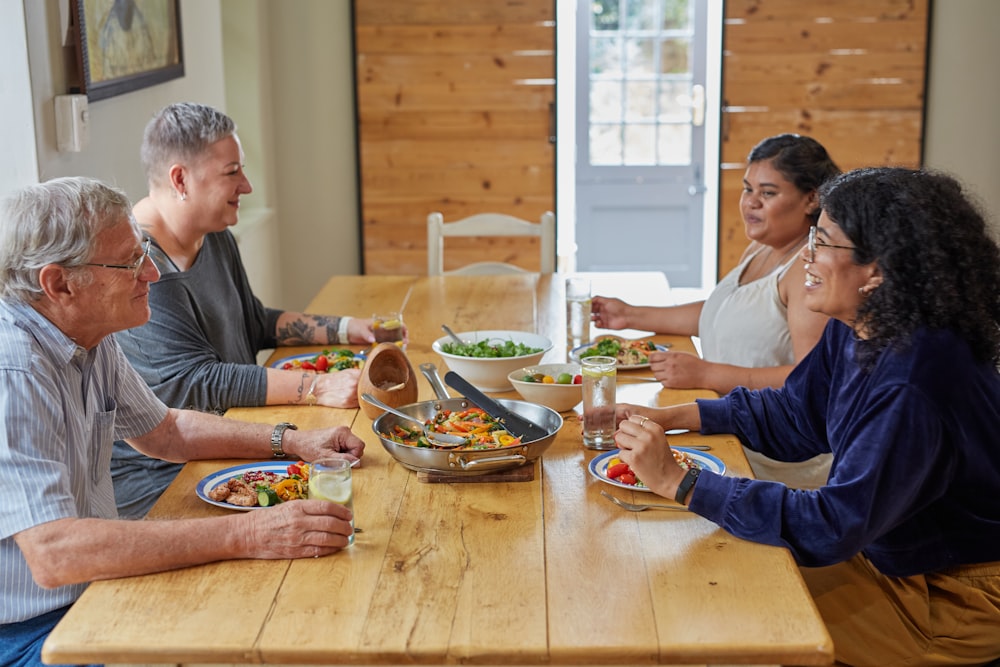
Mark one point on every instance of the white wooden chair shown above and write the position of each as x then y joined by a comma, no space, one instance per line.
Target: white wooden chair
489,224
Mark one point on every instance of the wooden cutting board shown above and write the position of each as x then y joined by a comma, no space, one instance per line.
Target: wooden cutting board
523,473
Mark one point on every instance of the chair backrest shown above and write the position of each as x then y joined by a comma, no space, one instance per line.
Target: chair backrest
489,224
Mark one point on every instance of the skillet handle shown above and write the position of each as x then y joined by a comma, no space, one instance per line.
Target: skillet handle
492,462
431,373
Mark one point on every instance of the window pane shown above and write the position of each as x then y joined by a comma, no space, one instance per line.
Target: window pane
640,101
604,14
605,101
605,56
675,102
674,144
605,145
640,53
675,56
676,15
640,142
640,15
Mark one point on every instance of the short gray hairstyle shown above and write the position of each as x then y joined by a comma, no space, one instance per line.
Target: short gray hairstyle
56,222
180,133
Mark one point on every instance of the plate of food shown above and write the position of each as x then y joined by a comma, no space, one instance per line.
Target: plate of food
610,469
630,354
243,487
327,361
246,486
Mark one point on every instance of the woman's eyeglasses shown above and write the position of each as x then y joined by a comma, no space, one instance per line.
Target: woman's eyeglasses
136,266
814,243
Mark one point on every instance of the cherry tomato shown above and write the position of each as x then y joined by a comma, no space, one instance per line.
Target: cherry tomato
628,478
617,470
322,363
577,379
308,366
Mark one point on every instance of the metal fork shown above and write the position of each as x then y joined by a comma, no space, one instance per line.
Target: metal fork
633,507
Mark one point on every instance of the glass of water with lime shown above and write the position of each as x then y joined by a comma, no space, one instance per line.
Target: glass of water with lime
330,479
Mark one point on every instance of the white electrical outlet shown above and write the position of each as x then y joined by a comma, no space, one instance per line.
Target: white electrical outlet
72,122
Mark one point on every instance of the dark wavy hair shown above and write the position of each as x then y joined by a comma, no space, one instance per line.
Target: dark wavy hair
940,266
801,160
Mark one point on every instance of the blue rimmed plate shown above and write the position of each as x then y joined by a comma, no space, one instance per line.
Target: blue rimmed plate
358,356
575,353
223,476
599,466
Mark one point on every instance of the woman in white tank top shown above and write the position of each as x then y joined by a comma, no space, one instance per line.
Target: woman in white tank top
754,326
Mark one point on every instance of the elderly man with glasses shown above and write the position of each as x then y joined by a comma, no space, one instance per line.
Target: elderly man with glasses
73,270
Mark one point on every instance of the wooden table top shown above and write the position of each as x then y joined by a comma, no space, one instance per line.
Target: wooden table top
541,572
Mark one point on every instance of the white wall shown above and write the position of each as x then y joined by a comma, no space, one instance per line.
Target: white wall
19,166
963,126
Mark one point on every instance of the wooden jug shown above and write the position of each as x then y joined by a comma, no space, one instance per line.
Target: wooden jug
389,377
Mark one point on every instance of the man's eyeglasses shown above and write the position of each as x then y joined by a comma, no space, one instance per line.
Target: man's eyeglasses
135,267
814,243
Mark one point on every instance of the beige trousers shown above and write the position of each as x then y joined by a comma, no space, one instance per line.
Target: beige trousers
942,618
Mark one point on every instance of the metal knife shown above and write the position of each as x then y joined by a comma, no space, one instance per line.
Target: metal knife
513,422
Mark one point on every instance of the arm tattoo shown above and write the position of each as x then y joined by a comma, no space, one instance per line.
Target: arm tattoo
308,330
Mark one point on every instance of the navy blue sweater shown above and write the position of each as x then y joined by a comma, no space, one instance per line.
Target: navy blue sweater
915,481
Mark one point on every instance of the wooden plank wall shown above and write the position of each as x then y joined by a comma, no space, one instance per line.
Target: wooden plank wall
454,100
850,73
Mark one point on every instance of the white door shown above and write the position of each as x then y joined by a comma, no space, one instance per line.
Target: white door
640,137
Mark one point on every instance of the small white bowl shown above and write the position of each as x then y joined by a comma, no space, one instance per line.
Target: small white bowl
490,373
559,397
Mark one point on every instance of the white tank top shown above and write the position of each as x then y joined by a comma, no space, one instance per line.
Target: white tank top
747,325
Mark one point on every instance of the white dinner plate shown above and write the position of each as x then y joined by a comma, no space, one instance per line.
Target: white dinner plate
599,466
223,476
358,356
574,355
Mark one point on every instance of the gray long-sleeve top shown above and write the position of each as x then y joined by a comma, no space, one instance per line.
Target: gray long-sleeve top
198,350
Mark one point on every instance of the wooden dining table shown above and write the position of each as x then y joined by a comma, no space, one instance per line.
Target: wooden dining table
538,570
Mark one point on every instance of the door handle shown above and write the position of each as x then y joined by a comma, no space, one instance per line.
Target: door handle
697,105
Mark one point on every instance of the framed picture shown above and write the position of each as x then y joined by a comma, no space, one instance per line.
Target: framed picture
125,45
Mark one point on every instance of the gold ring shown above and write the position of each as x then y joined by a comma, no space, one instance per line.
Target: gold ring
642,422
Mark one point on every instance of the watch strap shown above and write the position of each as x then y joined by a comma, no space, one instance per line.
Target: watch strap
276,437
685,486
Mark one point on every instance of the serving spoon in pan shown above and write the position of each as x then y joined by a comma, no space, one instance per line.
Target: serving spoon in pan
443,440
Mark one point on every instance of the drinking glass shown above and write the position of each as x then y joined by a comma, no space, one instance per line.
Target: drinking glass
388,327
599,383
330,479
577,311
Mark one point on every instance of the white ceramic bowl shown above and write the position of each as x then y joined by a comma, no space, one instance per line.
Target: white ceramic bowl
559,397
490,373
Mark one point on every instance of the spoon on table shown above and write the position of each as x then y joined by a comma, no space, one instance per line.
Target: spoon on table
443,440
452,334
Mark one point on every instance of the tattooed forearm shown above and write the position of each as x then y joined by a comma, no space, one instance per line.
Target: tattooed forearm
309,330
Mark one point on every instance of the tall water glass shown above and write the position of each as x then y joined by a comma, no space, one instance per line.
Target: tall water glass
577,311
599,381
330,479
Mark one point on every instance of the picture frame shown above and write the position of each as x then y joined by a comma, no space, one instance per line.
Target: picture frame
126,45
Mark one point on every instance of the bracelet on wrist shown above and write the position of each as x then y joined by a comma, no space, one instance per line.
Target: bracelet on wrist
342,337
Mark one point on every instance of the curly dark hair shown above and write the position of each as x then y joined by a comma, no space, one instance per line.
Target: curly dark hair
801,160
940,266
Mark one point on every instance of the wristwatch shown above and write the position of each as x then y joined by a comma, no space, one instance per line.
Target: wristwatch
276,435
685,486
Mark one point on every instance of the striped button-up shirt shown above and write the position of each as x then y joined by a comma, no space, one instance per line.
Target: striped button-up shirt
61,407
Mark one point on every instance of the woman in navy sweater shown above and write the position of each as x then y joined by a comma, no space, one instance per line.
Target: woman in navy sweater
901,547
